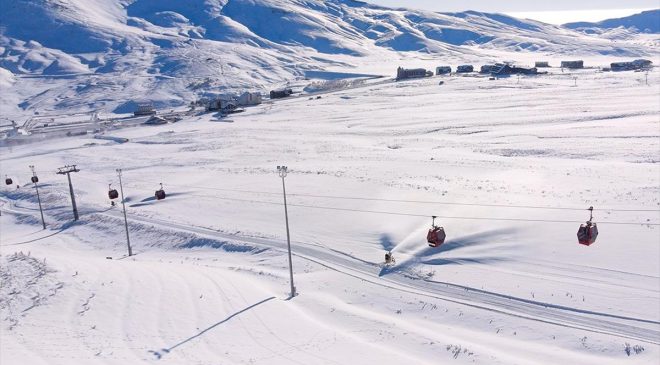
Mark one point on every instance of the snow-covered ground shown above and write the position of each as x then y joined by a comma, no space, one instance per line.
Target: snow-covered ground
367,168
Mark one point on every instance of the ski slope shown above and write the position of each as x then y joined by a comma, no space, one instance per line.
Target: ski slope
368,167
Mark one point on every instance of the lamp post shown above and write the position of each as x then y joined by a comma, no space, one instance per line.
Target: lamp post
282,171
35,180
123,205
67,170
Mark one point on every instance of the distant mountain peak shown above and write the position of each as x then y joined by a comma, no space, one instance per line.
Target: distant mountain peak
644,22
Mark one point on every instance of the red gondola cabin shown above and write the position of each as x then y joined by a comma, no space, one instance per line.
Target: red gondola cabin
587,233
160,194
436,235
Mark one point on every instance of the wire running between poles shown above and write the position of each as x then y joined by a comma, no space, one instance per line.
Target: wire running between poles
339,197
310,206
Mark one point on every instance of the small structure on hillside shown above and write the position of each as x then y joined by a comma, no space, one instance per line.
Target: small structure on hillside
222,104
156,120
464,69
249,98
572,64
443,70
412,73
486,69
541,64
630,66
144,108
278,94
505,69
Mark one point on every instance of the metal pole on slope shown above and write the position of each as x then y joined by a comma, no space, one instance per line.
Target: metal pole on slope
123,205
35,180
67,170
282,171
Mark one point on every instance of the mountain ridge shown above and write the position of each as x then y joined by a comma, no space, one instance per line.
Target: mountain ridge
144,46
644,22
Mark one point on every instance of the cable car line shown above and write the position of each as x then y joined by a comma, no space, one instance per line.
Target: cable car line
401,200
414,201
418,215
396,200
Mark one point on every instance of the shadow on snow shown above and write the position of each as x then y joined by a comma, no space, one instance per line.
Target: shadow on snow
162,352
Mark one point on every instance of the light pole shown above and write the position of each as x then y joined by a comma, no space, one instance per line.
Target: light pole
35,180
123,205
282,171
67,170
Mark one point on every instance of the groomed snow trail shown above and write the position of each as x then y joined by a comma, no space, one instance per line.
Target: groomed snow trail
642,329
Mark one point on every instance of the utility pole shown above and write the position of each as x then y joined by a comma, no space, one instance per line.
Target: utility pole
123,205
35,180
68,169
282,171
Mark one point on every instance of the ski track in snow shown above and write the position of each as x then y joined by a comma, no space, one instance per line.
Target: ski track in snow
633,328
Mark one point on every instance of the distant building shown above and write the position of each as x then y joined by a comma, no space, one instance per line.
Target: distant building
156,120
443,70
632,65
411,73
572,64
541,64
222,103
278,94
464,69
249,98
504,69
486,69
144,108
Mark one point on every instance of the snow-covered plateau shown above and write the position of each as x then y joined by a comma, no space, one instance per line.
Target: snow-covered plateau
509,165
367,169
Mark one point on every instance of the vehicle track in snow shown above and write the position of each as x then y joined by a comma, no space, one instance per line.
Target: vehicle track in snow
645,330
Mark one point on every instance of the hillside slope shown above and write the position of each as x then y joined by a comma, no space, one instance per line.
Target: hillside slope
98,53
644,22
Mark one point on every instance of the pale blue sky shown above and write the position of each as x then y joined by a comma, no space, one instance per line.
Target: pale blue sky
554,11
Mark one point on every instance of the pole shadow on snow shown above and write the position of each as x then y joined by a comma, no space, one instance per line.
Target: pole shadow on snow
159,354
428,254
35,239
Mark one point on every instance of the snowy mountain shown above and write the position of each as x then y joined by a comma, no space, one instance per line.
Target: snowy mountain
644,22
236,264
113,50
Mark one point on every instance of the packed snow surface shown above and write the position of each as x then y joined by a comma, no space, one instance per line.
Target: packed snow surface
368,167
